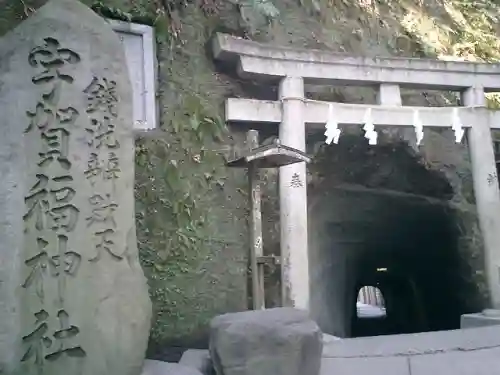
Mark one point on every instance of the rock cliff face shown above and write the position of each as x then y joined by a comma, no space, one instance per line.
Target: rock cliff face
191,210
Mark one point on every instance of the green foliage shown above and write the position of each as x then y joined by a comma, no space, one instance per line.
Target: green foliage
256,14
177,174
264,7
463,29
183,177
475,34
136,13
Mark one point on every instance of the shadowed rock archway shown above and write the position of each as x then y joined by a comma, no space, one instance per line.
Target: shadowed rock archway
373,208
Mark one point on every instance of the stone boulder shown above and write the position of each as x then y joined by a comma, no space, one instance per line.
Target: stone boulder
152,367
280,341
73,296
198,359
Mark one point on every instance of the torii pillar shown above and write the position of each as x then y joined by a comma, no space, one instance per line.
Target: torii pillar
486,191
293,198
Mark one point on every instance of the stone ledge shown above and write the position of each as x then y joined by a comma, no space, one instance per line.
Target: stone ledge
473,339
361,366
484,319
480,362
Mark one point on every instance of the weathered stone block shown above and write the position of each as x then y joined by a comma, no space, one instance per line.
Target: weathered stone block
281,341
475,362
486,318
365,365
198,359
73,297
152,367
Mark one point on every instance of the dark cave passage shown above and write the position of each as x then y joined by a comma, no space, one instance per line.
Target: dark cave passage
409,250
417,249
406,243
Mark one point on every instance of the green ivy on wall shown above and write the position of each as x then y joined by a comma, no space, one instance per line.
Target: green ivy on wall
184,179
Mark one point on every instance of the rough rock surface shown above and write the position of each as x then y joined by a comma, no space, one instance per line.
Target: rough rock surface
198,359
152,367
73,297
280,341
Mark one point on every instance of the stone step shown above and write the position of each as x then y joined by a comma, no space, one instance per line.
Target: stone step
474,351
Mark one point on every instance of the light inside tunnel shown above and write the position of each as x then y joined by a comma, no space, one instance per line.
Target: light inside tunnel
370,303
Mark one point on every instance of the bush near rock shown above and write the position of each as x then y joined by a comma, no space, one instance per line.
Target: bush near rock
280,341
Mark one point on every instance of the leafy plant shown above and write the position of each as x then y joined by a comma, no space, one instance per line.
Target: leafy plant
256,13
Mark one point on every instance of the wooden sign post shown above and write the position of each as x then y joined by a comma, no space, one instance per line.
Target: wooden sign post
270,156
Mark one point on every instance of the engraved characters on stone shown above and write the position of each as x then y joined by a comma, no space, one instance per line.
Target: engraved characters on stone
46,344
295,182
103,165
50,214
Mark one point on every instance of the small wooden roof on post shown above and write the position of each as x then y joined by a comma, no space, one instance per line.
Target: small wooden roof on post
270,156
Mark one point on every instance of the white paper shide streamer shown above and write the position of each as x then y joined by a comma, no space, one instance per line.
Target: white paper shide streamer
332,131
419,128
369,128
457,126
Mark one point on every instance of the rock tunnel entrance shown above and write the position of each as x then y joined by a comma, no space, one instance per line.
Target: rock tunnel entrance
396,231
420,257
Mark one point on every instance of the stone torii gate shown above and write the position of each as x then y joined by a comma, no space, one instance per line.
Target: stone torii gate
292,68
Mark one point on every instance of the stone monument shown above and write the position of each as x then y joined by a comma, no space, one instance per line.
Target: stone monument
73,297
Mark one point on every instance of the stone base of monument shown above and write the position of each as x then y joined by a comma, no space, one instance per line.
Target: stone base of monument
198,359
329,338
488,317
280,341
152,367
